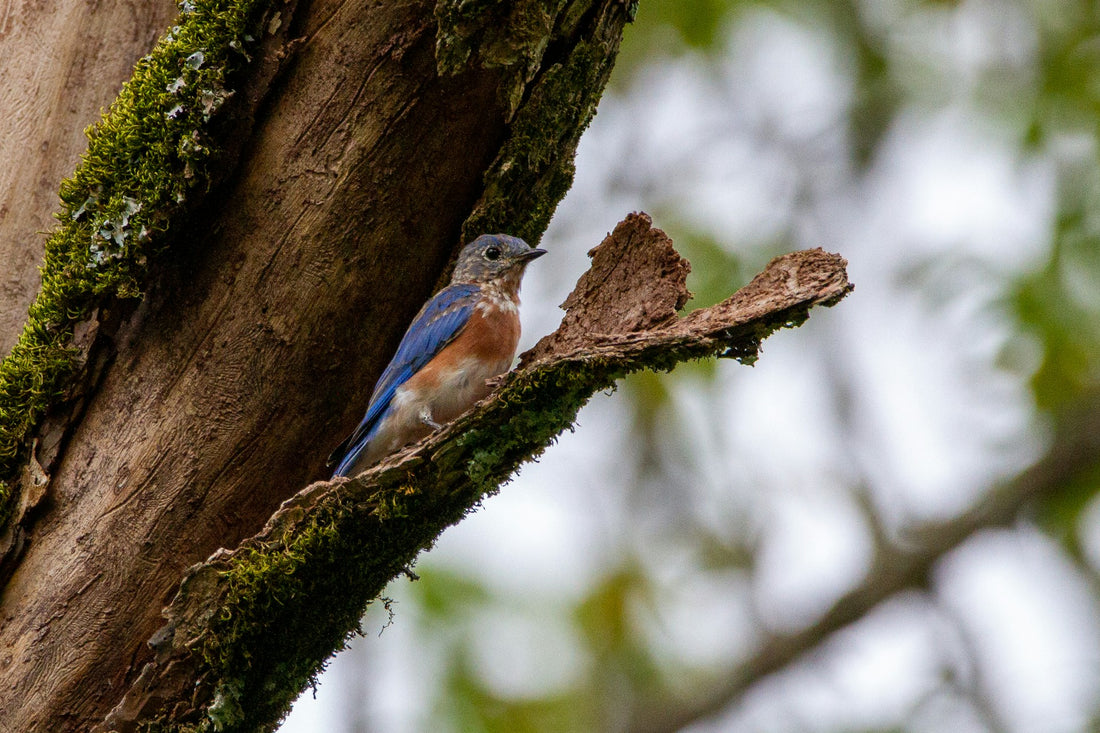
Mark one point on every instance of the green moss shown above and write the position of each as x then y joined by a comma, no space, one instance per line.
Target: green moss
148,160
225,711
494,34
534,168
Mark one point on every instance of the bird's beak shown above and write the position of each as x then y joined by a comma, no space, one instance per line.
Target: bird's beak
532,254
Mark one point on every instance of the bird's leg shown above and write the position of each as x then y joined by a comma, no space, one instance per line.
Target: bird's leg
426,418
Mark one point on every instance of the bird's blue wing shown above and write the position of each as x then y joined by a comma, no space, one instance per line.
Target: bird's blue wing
437,324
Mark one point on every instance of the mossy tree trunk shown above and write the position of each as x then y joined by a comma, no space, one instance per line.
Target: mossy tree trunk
373,139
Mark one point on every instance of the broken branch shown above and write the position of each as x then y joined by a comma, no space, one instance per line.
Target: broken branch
256,623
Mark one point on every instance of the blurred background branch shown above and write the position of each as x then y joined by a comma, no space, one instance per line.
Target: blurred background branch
898,566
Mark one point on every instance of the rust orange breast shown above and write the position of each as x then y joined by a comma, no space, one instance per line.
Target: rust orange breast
488,337
491,335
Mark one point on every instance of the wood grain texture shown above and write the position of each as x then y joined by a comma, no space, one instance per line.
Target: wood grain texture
63,62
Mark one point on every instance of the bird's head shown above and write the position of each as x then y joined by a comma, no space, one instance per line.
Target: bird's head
493,257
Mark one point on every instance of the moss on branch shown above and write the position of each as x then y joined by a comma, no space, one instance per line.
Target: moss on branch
149,159
257,624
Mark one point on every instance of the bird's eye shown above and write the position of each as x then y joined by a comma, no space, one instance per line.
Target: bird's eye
493,253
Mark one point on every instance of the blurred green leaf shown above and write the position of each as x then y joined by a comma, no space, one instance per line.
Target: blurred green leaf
674,28
477,709
1054,305
1060,513
444,594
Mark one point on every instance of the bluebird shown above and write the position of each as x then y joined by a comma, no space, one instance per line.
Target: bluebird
463,336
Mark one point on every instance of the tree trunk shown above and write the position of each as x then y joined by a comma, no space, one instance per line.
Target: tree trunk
388,127
47,100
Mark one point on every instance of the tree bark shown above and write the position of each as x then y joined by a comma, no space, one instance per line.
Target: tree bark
47,100
389,128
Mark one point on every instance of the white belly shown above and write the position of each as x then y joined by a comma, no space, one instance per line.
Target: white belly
413,411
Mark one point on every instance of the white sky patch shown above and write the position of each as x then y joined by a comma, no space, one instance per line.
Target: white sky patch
527,655
930,411
1088,529
870,678
789,76
943,217
948,184
1031,620
778,414
815,549
702,619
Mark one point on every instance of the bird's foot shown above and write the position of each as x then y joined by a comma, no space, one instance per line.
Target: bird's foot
426,418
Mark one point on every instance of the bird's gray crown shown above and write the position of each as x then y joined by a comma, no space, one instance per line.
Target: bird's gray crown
492,256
